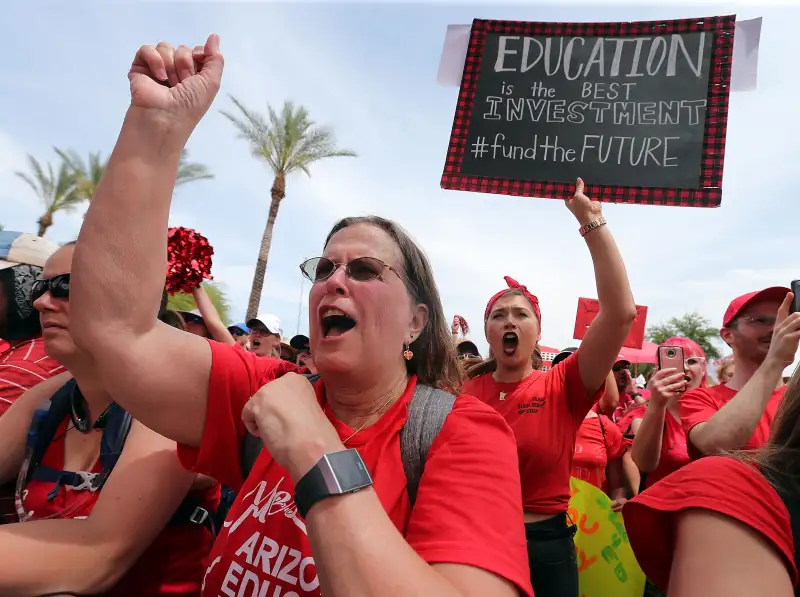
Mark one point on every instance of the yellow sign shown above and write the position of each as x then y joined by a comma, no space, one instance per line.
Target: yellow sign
606,564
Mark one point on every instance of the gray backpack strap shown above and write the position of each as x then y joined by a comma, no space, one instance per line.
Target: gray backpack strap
427,411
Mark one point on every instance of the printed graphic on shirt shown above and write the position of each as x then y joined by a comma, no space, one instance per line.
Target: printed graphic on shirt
531,406
262,566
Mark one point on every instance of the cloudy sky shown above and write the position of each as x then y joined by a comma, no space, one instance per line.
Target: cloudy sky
369,70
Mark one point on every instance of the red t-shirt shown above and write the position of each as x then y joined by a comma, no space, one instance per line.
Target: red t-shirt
715,483
21,367
699,405
594,450
624,423
545,411
173,564
674,451
264,547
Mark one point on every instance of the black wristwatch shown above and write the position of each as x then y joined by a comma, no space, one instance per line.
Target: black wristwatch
336,473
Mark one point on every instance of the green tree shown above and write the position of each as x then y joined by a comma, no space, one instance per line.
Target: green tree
185,302
88,174
55,188
287,141
691,325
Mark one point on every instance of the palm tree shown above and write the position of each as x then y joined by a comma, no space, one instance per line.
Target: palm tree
88,174
287,141
57,190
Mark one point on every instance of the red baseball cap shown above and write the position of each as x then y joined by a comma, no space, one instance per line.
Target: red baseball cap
774,293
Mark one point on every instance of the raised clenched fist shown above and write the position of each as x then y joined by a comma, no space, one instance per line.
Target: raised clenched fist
176,85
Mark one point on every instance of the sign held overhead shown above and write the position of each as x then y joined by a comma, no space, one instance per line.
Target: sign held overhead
639,110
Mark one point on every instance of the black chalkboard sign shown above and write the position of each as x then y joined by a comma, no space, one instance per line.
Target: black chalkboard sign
638,110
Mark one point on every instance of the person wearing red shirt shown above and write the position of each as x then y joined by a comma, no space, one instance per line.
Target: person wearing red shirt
659,447
325,508
599,445
738,415
23,362
726,526
116,540
714,528
599,448
545,409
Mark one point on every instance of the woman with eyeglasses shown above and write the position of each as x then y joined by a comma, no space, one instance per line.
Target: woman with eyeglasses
545,409
659,446
104,505
326,507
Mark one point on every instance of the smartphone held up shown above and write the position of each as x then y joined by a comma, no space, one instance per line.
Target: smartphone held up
671,357
795,287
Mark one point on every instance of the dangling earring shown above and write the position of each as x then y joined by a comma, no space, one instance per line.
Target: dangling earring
407,353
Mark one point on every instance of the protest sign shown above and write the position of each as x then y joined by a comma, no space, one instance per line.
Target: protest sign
606,564
639,110
589,308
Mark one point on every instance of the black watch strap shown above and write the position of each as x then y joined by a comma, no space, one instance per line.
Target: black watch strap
336,473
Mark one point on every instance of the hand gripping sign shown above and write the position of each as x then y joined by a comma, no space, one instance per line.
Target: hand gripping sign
606,564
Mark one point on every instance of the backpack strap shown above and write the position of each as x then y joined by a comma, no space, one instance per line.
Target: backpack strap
427,412
45,424
603,431
115,431
252,444
116,426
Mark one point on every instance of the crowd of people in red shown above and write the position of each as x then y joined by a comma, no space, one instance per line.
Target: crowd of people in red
147,452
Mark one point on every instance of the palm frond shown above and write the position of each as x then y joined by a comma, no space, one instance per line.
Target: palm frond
31,183
287,139
191,171
72,159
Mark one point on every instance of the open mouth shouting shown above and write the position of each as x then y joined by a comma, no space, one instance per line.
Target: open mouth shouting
510,343
335,322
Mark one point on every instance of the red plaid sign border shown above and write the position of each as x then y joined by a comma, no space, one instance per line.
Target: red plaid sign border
716,125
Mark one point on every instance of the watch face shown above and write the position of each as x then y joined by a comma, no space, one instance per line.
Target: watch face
351,473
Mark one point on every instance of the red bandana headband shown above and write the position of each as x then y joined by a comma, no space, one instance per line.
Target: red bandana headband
514,285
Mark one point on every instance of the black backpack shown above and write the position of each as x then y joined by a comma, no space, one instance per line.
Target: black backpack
427,412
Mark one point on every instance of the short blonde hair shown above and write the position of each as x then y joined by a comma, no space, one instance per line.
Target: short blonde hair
723,367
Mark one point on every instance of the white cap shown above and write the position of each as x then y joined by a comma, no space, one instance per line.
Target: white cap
22,248
269,321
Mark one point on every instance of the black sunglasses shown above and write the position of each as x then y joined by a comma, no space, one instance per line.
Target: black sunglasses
58,286
468,355
361,269
237,332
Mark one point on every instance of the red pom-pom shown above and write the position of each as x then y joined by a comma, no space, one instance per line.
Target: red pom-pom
464,325
188,260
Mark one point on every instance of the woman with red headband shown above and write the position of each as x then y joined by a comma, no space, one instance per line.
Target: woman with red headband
545,409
